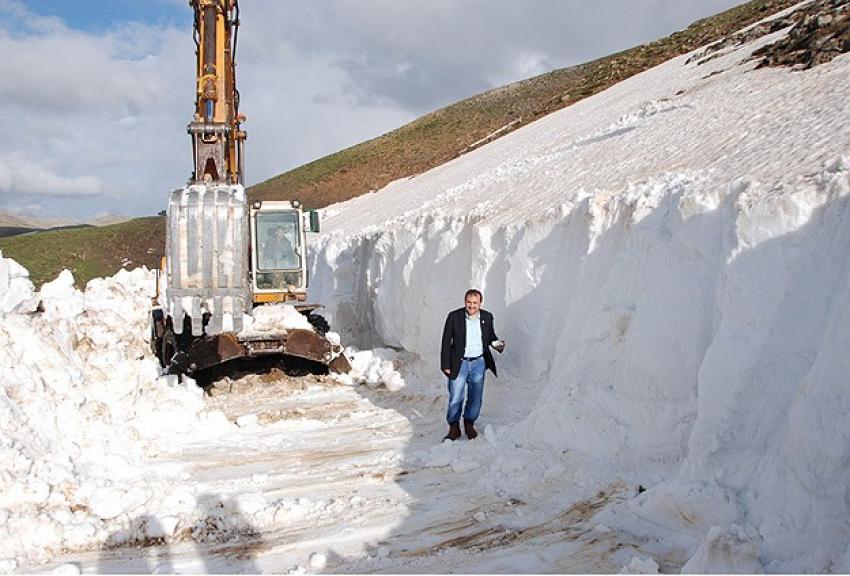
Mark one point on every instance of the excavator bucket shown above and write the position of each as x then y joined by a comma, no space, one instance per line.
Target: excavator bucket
207,242
210,351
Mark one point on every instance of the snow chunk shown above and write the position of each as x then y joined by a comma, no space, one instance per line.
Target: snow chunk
16,289
641,566
247,420
372,367
275,318
109,502
161,527
730,550
60,299
318,560
66,570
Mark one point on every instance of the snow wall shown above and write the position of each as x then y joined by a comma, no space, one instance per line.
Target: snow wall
668,262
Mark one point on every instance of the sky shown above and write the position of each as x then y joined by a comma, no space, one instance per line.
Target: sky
96,95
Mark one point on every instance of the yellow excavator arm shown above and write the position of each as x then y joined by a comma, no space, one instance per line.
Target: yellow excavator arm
223,255
217,137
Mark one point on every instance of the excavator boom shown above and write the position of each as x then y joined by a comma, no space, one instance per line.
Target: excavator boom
217,137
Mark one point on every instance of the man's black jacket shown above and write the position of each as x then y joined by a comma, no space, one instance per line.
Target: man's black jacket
454,341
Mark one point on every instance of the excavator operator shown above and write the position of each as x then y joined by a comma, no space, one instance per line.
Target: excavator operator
277,251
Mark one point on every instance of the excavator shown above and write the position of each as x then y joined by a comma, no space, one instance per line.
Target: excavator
225,257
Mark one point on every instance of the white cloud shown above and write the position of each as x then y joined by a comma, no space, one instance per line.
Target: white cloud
67,72
94,121
26,21
22,176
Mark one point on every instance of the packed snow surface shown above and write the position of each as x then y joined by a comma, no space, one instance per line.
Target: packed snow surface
669,264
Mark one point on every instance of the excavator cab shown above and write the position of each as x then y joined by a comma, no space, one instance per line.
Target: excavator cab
279,259
278,263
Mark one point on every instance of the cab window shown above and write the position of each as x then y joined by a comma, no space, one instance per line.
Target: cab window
277,239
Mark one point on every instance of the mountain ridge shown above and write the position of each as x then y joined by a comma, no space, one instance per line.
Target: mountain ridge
34,223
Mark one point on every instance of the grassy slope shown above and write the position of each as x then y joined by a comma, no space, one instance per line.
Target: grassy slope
88,252
419,146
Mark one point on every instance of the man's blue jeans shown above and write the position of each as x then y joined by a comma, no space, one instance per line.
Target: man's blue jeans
471,377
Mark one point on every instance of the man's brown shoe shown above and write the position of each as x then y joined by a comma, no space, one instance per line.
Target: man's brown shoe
454,432
470,429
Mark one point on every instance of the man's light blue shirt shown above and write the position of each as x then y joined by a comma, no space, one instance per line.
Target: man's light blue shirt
474,346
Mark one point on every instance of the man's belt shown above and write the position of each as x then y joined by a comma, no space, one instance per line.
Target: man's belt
473,357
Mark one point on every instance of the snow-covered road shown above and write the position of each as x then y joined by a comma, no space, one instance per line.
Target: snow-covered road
360,484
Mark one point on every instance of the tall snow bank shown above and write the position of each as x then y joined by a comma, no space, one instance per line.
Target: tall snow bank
669,261
81,408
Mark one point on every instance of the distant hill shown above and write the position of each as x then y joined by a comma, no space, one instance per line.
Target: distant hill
10,220
15,224
6,231
419,146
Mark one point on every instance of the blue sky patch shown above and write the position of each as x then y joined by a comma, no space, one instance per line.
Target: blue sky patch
103,15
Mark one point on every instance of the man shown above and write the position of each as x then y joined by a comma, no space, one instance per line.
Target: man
464,358
277,251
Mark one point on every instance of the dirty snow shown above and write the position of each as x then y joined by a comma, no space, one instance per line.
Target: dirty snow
669,263
374,368
274,318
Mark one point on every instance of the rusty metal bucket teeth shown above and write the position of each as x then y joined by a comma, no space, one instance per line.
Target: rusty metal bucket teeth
217,349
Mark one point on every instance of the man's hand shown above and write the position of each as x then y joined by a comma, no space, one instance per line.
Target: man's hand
446,371
498,345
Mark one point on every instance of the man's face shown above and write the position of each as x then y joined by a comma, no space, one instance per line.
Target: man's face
472,303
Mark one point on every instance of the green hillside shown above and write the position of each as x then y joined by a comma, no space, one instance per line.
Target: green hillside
88,252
